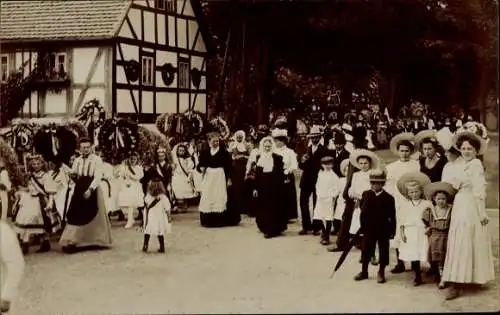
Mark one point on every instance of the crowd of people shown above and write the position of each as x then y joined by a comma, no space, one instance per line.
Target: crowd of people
429,207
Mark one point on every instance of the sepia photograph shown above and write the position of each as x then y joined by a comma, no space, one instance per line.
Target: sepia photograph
249,156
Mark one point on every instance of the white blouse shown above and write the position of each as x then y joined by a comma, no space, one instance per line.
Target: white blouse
266,162
90,166
328,184
360,183
289,159
397,169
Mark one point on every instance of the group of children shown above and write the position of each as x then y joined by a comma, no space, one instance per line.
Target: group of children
421,221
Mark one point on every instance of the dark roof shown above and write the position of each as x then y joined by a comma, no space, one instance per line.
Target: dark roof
35,20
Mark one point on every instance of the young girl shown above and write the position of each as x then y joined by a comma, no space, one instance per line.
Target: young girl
182,176
130,196
156,212
340,206
414,245
437,222
37,215
327,189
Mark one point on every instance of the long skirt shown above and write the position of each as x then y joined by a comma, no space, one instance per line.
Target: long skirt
290,197
270,215
238,196
213,207
131,195
88,222
157,222
62,200
469,256
34,218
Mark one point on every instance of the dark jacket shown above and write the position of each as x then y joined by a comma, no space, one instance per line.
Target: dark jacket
311,167
344,154
378,214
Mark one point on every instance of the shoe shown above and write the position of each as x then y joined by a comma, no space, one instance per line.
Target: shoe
380,278
451,294
45,247
417,282
121,216
303,232
334,232
374,261
398,269
361,276
441,285
325,242
335,250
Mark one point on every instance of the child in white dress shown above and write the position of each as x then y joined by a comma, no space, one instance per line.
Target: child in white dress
327,190
182,176
156,212
414,246
340,205
130,196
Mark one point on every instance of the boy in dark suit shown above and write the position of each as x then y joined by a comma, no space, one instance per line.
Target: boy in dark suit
378,224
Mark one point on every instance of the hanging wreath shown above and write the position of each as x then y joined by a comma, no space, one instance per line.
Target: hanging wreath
148,143
168,73
118,139
20,137
195,123
196,77
221,127
132,68
161,123
55,143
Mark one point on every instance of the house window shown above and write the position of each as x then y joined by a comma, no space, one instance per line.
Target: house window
57,65
147,70
4,67
168,5
184,74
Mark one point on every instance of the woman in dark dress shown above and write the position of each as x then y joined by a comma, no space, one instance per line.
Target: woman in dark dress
240,151
270,214
215,165
432,160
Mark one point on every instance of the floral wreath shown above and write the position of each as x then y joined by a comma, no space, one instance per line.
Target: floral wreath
195,122
132,70
55,143
89,110
417,107
168,73
20,137
220,125
77,128
118,139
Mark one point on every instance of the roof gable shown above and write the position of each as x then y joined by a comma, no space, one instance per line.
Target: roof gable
30,20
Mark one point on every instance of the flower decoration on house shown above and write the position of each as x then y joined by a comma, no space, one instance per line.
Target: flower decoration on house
196,77
92,115
220,125
168,72
195,123
118,139
20,137
148,142
77,127
132,70
55,143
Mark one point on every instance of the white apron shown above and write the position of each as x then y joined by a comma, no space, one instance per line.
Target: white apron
213,191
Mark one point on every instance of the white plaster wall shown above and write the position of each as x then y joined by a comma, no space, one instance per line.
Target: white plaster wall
171,31
55,103
147,102
124,103
163,57
149,27
161,29
166,102
83,58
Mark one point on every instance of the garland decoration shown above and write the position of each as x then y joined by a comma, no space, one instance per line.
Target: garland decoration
20,137
196,77
12,165
77,128
161,123
148,142
118,139
168,73
55,143
132,68
220,125
195,123
92,115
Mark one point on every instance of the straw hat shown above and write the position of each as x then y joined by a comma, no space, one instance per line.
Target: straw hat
431,189
419,177
356,154
315,131
471,136
279,133
425,134
378,176
344,167
445,138
397,139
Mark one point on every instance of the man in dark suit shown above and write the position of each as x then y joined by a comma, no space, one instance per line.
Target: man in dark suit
310,165
378,224
340,152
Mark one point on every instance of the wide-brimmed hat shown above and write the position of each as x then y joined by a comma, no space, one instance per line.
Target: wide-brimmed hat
315,131
419,177
279,133
378,175
357,153
425,134
432,189
327,159
397,139
471,136
344,167
445,138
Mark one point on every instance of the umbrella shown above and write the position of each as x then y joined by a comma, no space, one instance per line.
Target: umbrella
346,252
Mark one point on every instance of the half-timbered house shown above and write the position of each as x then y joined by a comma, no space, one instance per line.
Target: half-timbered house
138,58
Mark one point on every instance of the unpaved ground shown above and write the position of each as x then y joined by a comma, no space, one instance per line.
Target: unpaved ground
229,270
